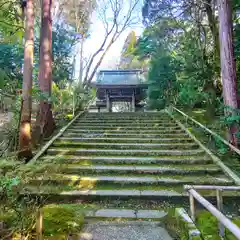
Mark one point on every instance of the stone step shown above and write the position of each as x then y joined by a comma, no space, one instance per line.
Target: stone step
144,169
127,160
126,213
126,127
142,182
111,152
126,117
126,135
55,195
132,146
127,114
127,230
130,131
122,124
125,122
124,140
114,194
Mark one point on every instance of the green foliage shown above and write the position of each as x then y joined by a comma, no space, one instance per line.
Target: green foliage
208,225
162,80
11,25
11,60
18,214
181,71
64,41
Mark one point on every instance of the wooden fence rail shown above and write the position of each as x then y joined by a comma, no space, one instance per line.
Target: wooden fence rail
208,130
224,222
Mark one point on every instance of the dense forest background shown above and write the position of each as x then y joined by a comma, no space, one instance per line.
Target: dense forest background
180,53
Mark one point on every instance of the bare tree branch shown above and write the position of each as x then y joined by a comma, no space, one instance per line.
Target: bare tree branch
117,8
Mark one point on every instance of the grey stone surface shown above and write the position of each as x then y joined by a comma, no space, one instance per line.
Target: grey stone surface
115,213
126,231
150,214
102,193
127,151
159,193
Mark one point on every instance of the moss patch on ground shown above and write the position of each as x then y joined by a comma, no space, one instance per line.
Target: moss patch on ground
208,225
61,220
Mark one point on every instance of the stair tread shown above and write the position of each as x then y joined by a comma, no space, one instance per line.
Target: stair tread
128,126
153,179
126,213
122,139
139,130
137,160
124,151
120,134
126,144
119,193
144,168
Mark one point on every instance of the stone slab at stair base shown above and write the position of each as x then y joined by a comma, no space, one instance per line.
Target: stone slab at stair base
126,213
186,222
124,231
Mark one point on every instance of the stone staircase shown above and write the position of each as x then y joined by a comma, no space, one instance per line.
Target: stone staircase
122,157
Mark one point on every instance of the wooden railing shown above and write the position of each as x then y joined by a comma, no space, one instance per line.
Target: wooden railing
224,222
208,130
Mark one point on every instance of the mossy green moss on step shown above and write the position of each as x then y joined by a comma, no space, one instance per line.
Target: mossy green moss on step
124,152
117,145
60,220
89,160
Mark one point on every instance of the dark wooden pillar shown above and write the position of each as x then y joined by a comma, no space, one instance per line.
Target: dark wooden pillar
108,102
133,102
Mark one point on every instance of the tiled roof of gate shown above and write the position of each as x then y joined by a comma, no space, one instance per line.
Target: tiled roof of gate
120,77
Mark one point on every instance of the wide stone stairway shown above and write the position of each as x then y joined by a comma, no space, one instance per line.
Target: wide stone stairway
121,158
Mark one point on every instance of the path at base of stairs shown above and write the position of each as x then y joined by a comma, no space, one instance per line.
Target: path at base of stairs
124,231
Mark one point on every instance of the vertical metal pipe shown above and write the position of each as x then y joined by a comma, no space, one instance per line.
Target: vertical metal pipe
192,207
220,208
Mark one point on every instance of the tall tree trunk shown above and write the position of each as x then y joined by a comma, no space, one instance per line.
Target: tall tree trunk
47,123
228,65
25,148
81,61
214,30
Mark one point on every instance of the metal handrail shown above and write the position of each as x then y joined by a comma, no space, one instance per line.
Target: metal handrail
209,131
224,222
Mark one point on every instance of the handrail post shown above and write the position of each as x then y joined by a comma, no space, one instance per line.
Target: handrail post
39,225
192,207
220,208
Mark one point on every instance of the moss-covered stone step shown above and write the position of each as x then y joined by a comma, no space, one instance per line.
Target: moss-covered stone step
125,122
115,145
128,160
143,169
112,152
130,131
127,114
104,139
127,127
129,118
125,135
129,181
121,197
127,213
93,194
